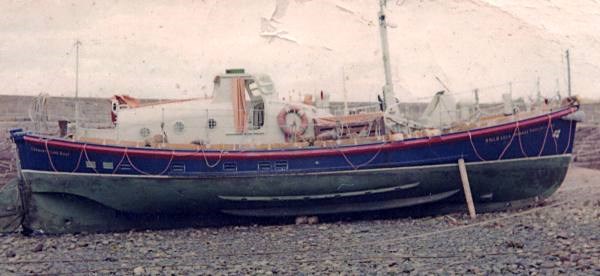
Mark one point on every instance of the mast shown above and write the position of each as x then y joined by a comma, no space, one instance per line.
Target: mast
568,74
388,88
538,98
77,44
345,92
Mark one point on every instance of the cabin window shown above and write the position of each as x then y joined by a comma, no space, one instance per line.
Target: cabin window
212,123
256,118
125,167
145,132
229,166
178,127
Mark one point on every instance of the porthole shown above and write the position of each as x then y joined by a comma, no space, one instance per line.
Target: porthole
144,132
212,123
178,127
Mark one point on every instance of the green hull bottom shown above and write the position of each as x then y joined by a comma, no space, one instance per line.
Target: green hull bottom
65,203
10,207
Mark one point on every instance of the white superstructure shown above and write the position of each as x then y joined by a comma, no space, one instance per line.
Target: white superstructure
213,120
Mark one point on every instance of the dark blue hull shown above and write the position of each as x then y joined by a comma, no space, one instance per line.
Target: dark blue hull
535,137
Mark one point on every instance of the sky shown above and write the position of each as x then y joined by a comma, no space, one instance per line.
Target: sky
173,49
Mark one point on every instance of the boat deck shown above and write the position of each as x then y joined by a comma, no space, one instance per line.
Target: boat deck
481,123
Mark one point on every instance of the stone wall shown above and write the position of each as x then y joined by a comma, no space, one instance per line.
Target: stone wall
16,108
592,113
587,146
587,138
14,113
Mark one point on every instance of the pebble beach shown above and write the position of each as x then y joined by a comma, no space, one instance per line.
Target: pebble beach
559,236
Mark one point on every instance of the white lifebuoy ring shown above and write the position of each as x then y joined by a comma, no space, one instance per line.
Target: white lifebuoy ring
288,130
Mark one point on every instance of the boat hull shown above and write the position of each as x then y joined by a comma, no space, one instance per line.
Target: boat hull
70,186
61,203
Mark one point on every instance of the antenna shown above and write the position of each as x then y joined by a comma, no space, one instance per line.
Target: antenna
77,44
345,92
539,92
443,84
568,73
557,89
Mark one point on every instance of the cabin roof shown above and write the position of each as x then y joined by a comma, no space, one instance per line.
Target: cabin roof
229,76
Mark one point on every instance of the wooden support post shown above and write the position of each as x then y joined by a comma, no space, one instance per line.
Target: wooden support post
466,187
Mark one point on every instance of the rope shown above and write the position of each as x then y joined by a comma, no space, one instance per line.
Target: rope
570,134
554,138
198,150
355,167
145,173
517,132
521,143
510,142
541,149
50,158
206,159
52,163
545,136
87,158
474,148
121,161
